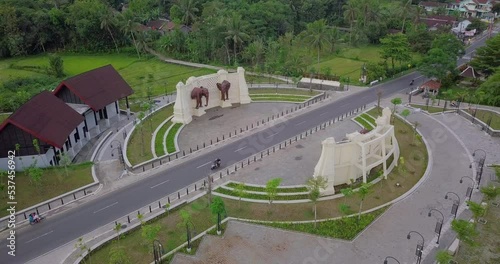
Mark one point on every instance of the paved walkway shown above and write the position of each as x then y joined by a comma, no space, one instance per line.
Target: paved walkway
449,161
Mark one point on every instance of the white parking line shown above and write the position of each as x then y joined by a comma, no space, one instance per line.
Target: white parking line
105,207
39,236
298,124
240,149
271,135
159,184
203,165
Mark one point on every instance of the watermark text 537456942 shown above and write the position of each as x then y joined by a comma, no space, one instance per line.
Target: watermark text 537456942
11,202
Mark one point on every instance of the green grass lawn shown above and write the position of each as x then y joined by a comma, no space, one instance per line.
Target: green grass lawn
54,183
485,115
365,124
261,79
430,109
282,91
342,67
261,196
159,150
171,138
135,154
278,97
369,118
366,54
263,188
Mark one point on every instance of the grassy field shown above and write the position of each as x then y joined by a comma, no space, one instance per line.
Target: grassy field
364,123
3,117
134,148
159,150
54,183
369,118
282,91
485,116
171,138
263,188
342,67
140,74
487,249
261,79
430,109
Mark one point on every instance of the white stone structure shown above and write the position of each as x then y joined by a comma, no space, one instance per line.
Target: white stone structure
185,107
344,162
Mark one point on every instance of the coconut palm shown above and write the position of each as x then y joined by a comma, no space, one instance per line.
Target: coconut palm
316,35
236,32
404,11
350,14
129,27
108,21
188,9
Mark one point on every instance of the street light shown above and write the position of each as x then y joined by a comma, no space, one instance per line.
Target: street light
439,223
390,257
420,247
454,207
188,232
157,251
469,189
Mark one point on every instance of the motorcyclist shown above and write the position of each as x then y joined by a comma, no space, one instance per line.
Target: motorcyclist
411,83
216,164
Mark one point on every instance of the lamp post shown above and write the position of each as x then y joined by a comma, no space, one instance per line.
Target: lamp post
469,189
157,251
454,207
120,152
188,233
390,257
439,223
420,247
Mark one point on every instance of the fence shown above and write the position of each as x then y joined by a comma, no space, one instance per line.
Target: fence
486,127
151,164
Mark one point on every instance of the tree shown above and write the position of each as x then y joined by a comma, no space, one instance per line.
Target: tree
218,208
476,209
36,145
108,21
236,32
129,28
350,14
317,35
362,192
477,24
240,191
185,10
118,228
395,102
487,58
490,191
405,113
56,67
65,161
396,47
272,188
149,233
491,89
314,184
450,44
443,257
140,125
405,11
118,255
465,230
437,64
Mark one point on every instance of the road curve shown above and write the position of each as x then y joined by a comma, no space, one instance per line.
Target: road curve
54,232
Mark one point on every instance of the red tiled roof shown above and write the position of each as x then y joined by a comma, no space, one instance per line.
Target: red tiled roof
469,72
431,4
156,24
431,85
45,117
482,2
435,22
97,88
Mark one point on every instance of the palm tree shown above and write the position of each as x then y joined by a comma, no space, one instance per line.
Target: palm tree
107,21
405,10
314,184
350,12
333,37
188,9
316,35
255,52
129,27
236,32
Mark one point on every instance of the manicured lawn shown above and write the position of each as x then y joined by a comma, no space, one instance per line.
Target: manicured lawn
365,124
54,183
282,91
171,137
369,119
487,249
3,117
278,97
430,109
366,53
261,196
261,79
485,115
263,188
342,67
134,149
159,150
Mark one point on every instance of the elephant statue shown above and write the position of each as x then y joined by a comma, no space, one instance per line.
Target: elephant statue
224,90
197,93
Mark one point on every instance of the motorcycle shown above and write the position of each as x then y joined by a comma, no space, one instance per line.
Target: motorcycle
216,164
411,83
33,221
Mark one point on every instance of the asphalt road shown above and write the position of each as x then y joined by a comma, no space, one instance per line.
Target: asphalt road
54,232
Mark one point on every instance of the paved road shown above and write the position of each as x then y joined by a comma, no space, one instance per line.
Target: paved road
74,223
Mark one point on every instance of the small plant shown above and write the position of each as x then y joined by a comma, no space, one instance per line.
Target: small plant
314,185
149,233
240,191
167,208
465,230
490,191
443,257
272,188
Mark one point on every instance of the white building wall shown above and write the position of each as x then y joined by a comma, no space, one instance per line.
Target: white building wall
89,117
21,163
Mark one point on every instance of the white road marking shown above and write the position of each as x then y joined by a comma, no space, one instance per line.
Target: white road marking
271,135
105,207
323,113
39,236
240,149
159,184
298,124
203,165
